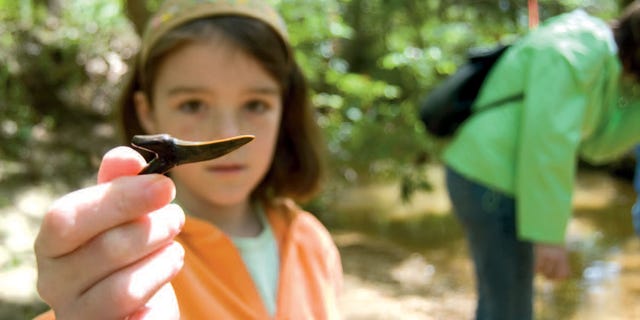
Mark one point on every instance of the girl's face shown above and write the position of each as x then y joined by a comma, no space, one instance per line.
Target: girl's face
211,90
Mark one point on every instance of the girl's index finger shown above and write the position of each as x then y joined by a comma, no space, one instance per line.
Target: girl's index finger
79,216
120,161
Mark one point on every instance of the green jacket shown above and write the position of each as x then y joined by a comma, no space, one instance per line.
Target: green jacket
573,107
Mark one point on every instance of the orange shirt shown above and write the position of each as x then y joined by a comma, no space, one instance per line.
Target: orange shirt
215,282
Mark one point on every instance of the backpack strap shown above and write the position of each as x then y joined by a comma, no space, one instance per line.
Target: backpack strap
513,97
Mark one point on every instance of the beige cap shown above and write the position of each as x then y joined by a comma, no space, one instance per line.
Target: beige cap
173,13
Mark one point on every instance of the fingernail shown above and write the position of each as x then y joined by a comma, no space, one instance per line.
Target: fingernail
159,185
177,217
178,252
180,215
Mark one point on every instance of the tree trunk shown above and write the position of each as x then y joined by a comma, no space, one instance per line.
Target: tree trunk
138,14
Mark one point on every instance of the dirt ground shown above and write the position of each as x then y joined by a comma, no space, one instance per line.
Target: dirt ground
425,276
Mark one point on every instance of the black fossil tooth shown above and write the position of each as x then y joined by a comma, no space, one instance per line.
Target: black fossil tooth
170,152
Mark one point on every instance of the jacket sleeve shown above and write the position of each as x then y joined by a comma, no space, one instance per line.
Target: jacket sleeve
552,114
619,132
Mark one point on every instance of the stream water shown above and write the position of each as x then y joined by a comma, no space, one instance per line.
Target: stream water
410,261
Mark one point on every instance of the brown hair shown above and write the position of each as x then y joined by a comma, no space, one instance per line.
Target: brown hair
626,31
297,167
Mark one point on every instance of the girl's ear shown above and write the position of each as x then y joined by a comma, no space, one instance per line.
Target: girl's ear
145,114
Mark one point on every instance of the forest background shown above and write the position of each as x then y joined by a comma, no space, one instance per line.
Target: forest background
369,63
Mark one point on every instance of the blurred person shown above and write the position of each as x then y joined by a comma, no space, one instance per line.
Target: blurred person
206,70
511,169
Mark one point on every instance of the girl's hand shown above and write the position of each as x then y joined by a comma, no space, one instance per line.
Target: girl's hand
552,261
108,251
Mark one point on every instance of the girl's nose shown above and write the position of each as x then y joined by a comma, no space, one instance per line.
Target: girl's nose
224,124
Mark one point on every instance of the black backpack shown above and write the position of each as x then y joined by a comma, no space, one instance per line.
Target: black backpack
447,106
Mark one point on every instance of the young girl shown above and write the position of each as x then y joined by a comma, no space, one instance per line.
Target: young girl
206,70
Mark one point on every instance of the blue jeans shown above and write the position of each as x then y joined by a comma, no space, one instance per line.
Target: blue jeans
635,214
503,264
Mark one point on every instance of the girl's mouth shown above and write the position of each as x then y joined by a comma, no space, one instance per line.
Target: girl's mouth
226,168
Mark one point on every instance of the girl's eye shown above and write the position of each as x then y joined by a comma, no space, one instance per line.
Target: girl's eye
192,106
256,106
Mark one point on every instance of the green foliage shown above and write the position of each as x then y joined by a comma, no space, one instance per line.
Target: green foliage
371,129
369,62
57,84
